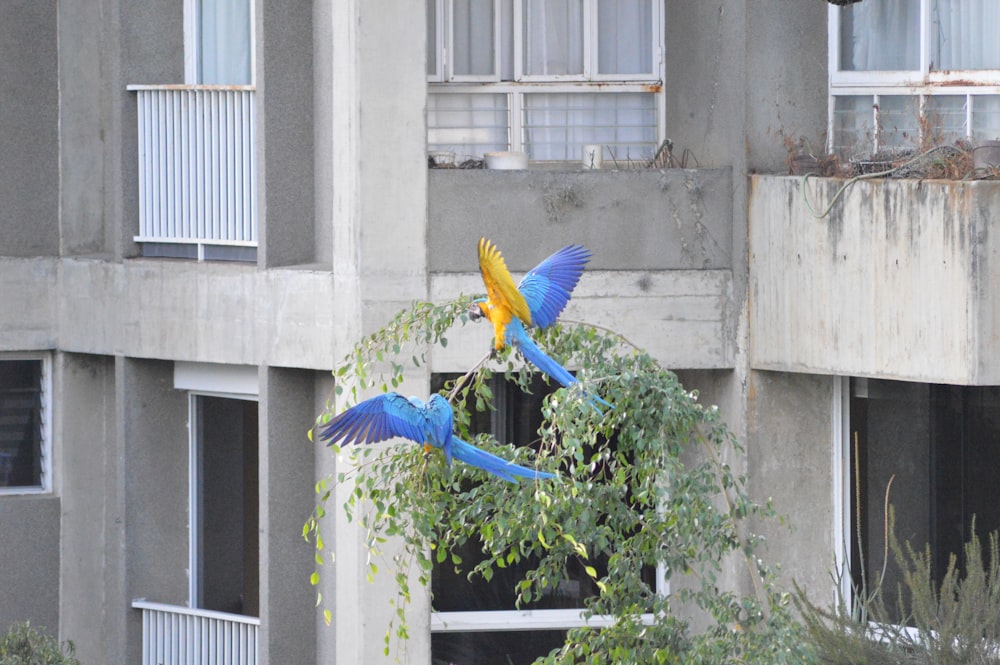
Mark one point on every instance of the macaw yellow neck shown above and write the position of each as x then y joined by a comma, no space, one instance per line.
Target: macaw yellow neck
499,316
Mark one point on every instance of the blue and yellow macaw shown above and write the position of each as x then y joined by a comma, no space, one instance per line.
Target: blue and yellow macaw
391,415
537,301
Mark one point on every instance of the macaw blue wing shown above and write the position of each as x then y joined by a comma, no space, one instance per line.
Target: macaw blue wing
377,419
518,337
547,286
491,463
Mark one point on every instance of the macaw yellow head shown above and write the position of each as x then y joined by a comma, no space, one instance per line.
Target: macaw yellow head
479,309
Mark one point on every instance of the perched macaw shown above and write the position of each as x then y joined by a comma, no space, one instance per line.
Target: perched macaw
537,301
391,415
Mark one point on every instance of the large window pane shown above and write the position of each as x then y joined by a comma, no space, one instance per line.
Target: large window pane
986,118
473,35
225,42
880,35
945,118
557,126
553,37
467,124
964,34
899,123
624,44
21,423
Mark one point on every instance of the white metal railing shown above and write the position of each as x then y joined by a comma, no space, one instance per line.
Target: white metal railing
197,164
173,635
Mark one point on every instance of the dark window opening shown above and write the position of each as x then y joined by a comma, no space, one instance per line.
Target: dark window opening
940,444
21,423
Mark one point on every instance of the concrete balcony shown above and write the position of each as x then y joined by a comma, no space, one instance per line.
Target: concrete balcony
899,281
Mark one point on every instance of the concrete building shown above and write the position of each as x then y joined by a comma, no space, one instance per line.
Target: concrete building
206,202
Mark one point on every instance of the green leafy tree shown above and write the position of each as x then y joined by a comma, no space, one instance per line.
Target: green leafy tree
24,645
642,485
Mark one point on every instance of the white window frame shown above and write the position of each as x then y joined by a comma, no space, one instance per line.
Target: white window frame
445,81
45,484
921,83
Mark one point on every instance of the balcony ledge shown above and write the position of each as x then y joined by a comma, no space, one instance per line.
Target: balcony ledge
898,281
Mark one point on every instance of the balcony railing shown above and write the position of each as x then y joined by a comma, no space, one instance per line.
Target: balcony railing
197,169
173,635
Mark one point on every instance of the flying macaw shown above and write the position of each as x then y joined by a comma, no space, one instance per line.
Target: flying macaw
391,415
537,301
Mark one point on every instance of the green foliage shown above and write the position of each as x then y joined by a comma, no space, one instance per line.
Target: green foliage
24,645
643,484
954,621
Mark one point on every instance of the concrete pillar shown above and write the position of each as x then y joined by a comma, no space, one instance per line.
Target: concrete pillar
287,600
376,137
284,83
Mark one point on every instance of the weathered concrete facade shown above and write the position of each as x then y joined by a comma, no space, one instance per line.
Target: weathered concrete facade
353,226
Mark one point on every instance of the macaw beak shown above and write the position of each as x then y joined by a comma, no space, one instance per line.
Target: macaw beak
476,310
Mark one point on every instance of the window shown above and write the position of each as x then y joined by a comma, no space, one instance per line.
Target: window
475,621
905,73
545,77
223,485
218,42
25,459
940,444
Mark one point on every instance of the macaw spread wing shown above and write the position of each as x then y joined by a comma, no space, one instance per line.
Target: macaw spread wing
500,287
377,419
547,286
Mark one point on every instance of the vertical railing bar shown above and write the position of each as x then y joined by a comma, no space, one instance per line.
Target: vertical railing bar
230,166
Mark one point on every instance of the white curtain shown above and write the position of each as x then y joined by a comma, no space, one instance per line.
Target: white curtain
226,42
553,37
472,30
624,43
880,35
965,34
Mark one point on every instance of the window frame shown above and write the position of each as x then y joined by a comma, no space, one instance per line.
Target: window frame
444,81
45,485
921,83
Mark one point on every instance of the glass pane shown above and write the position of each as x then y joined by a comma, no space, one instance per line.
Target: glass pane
945,119
853,126
20,423
225,42
880,35
466,124
432,38
553,37
624,44
494,648
899,124
472,32
557,126
964,34
986,117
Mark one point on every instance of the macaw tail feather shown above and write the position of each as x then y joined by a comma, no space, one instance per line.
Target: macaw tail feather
498,466
533,354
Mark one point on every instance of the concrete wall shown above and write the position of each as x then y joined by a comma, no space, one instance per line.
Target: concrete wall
897,282
29,118
288,607
83,446
284,80
29,576
647,219
791,444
